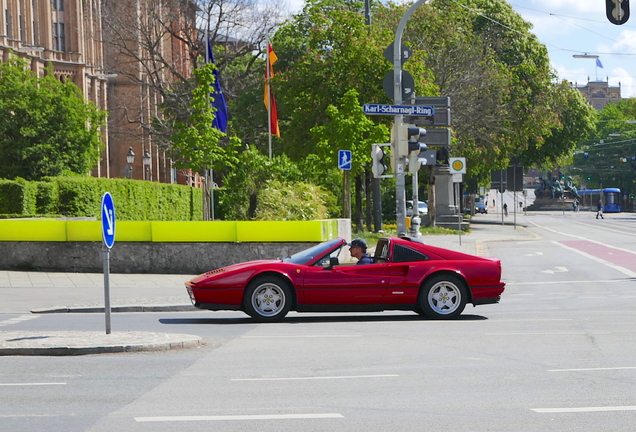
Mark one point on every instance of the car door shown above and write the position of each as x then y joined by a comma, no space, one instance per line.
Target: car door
346,284
408,268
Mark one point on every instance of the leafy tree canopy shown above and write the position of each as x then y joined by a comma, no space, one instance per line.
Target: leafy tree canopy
46,127
192,140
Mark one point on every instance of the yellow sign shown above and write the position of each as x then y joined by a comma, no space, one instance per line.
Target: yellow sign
457,165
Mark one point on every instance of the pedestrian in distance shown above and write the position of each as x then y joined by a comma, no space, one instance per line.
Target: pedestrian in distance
505,208
358,249
599,210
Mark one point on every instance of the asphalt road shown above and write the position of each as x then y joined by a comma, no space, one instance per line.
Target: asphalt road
557,354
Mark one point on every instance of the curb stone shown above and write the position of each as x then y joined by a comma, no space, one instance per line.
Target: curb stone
62,343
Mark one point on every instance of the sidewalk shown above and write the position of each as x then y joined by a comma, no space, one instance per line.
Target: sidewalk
33,292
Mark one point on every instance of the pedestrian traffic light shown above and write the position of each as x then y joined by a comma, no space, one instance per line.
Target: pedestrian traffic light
407,139
378,157
617,11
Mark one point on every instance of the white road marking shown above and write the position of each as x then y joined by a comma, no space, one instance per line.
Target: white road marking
299,336
537,334
558,270
531,320
566,282
584,409
239,417
592,369
32,384
599,260
619,268
315,378
18,319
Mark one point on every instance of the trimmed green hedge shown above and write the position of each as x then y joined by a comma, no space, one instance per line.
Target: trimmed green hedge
81,197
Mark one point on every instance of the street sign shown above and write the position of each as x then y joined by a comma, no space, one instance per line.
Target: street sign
108,220
457,165
498,180
412,110
441,118
458,178
344,159
408,85
390,51
443,101
514,175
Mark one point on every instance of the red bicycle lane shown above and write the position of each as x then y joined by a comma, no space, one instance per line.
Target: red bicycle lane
619,257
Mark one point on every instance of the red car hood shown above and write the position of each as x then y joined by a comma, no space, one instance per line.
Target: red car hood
231,268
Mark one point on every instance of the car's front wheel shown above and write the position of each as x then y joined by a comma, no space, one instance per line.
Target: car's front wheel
443,297
267,299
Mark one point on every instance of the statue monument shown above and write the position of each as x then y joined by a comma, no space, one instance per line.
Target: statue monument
554,195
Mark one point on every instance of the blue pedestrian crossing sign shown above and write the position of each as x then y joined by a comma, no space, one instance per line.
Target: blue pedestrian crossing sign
108,220
344,159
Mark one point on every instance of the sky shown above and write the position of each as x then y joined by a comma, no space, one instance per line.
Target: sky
569,27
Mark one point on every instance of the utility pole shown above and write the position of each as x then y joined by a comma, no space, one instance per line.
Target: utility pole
400,160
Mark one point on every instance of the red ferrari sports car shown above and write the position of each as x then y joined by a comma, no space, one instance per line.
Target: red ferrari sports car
406,274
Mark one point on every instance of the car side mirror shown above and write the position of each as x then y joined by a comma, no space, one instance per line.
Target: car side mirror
333,261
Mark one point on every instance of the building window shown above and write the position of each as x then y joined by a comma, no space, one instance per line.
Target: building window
7,20
59,40
59,34
34,14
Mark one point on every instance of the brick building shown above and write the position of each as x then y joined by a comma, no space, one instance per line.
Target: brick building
77,38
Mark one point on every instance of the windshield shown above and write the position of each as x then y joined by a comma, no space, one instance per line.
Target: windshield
307,255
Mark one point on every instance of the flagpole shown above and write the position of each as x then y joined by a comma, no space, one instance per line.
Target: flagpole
269,102
209,172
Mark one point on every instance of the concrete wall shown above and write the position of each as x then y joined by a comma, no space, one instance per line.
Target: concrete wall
167,257
135,257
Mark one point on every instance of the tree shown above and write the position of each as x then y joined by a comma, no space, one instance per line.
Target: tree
505,102
252,176
575,123
156,45
348,128
607,157
196,144
323,53
46,127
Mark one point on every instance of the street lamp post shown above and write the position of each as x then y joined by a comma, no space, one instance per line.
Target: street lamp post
130,159
147,160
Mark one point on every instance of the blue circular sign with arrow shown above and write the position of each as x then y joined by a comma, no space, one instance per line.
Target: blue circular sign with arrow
108,220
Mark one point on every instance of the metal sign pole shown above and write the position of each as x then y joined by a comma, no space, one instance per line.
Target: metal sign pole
108,235
459,213
106,254
400,161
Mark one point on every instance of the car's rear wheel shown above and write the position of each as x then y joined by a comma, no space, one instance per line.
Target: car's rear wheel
443,297
267,299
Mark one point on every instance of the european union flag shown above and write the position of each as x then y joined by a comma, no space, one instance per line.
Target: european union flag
599,64
220,121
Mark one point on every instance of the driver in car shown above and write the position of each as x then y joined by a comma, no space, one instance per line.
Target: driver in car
358,249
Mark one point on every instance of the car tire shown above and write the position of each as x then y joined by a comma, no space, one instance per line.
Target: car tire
267,299
443,297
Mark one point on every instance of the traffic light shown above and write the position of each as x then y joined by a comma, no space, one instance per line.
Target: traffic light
617,11
407,139
378,156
